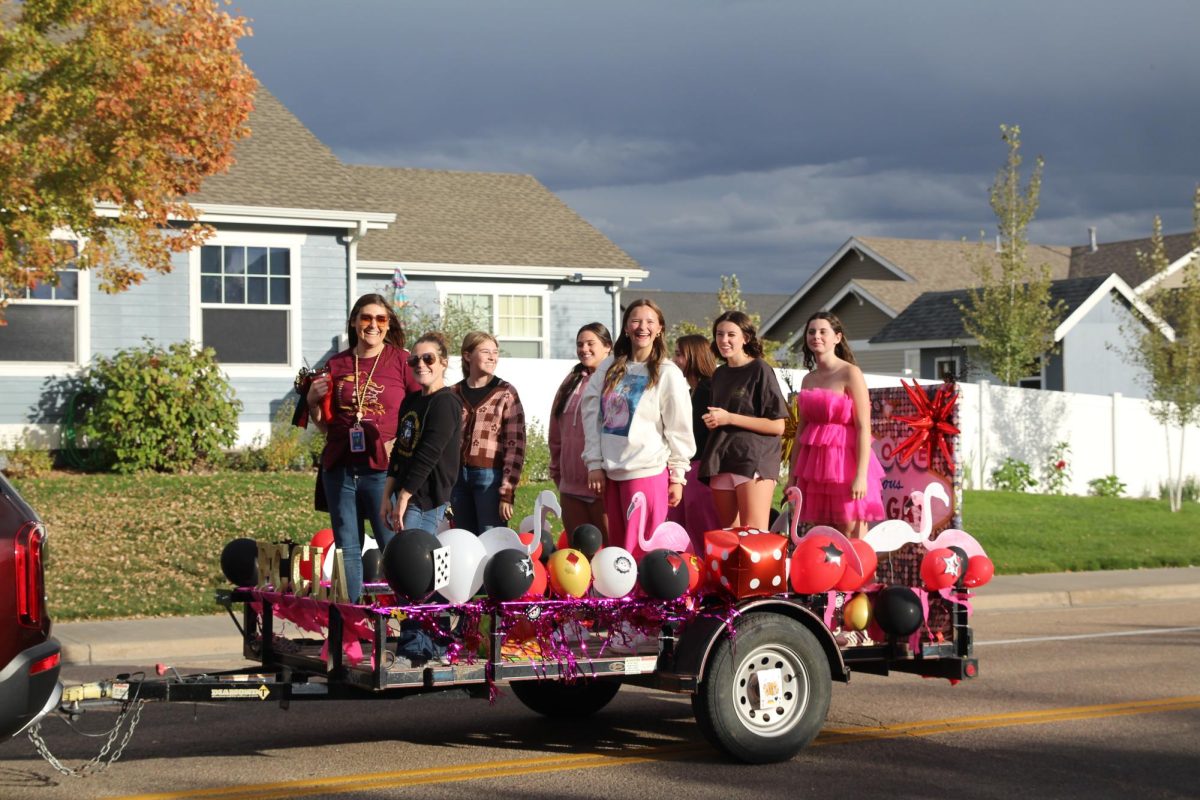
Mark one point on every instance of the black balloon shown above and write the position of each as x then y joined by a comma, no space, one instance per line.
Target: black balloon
408,564
587,539
663,574
548,546
898,611
508,575
372,565
239,562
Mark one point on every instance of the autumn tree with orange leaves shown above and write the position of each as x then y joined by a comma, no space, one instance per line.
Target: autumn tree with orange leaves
111,112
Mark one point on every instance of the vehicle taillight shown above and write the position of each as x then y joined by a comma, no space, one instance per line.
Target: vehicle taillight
43,664
29,578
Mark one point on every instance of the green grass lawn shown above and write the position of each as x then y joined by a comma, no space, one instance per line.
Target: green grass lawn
149,545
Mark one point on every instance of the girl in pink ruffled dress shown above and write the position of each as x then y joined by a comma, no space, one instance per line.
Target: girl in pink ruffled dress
834,467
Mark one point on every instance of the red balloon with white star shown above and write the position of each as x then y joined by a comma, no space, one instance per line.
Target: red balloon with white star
941,568
817,564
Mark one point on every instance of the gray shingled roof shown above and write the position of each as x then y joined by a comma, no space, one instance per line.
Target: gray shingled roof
934,316
1122,258
441,216
281,164
701,307
479,218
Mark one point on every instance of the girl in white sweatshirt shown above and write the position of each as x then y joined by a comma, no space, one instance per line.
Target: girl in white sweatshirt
638,426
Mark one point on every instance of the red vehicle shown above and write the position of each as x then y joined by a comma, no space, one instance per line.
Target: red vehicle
29,657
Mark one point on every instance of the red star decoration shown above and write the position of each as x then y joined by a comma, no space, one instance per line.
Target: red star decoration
931,425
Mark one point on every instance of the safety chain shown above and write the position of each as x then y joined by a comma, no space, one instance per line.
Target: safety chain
131,710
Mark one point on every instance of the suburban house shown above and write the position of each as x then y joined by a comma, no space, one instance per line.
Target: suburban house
896,298
300,235
700,308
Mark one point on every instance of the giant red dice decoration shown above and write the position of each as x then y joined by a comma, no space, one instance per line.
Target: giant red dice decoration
746,562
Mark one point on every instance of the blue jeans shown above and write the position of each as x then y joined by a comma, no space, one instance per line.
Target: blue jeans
355,495
476,499
424,520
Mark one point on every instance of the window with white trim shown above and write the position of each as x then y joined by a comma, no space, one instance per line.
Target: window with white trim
246,302
1034,380
43,323
518,318
945,368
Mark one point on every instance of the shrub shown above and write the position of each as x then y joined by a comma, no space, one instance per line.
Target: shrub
1013,476
289,448
24,459
1108,486
537,455
154,408
1056,471
1189,491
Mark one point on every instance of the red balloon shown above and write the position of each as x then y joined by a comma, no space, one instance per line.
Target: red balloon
979,571
538,589
817,564
852,579
563,544
941,568
322,539
526,538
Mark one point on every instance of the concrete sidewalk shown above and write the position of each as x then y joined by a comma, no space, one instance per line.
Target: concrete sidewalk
180,640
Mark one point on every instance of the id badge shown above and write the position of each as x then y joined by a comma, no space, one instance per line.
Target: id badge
358,440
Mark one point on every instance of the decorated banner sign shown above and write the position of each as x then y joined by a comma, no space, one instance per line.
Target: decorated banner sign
916,438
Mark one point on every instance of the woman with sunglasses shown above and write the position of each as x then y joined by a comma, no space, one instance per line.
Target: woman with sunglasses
424,461
356,405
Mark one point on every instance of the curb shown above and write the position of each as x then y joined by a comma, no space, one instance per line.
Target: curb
1085,597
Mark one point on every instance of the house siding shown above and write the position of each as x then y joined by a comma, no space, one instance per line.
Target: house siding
1090,364
859,320
880,362
156,310
851,266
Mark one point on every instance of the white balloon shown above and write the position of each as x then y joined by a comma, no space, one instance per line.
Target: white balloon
467,557
614,571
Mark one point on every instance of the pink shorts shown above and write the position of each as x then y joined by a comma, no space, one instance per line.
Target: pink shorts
727,481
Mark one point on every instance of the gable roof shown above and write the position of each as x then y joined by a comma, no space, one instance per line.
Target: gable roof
491,218
699,307
282,164
1122,257
935,316
919,264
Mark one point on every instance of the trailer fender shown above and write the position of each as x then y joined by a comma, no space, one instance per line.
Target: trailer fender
697,640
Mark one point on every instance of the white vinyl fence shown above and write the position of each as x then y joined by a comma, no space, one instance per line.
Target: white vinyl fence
1105,434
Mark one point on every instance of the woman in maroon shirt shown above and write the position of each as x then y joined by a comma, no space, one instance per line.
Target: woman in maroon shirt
357,405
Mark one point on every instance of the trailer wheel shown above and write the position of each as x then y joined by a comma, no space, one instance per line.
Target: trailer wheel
580,698
765,694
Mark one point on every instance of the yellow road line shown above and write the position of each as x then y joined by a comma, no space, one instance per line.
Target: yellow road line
561,762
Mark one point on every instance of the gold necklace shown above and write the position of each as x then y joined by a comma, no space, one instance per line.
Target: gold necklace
360,389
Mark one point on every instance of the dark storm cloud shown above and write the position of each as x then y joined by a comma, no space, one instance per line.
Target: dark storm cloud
697,134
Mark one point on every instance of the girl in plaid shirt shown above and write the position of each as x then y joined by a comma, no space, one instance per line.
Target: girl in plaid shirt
493,443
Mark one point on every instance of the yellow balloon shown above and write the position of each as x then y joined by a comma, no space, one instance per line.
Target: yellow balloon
570,573
856,614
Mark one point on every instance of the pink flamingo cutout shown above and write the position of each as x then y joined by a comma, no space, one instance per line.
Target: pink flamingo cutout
667,536
892,534
795,498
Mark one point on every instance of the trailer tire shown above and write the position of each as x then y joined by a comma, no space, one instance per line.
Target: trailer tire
579,698
727,702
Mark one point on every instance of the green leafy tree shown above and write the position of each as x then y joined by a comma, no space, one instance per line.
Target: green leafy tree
1010,314
110,113
453,320
1171,366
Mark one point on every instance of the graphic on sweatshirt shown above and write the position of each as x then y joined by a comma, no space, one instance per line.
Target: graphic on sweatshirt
408,433
620,405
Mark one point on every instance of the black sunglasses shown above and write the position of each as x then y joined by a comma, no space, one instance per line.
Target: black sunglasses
428,358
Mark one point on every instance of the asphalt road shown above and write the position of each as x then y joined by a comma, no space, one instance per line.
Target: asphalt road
1091,703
